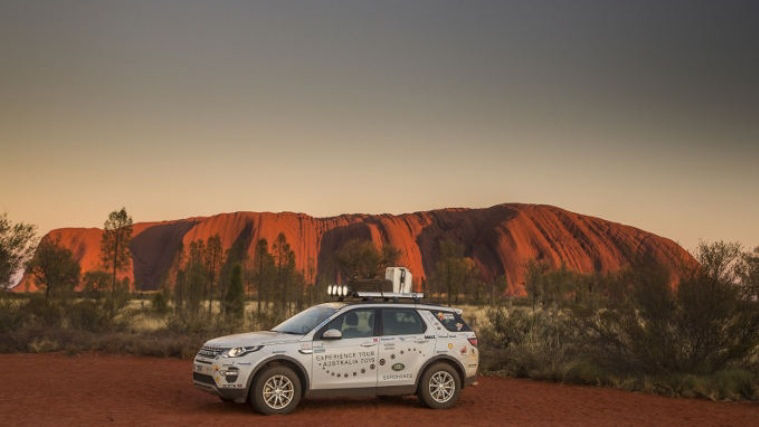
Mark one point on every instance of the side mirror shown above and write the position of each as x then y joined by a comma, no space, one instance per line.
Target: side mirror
332,334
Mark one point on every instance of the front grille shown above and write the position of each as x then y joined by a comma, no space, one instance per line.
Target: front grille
211,352
201,378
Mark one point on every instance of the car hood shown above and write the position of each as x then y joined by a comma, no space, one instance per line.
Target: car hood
253,338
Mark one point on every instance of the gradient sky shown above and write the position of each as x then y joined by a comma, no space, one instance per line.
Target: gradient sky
641,112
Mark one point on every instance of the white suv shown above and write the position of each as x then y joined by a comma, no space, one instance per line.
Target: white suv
342,349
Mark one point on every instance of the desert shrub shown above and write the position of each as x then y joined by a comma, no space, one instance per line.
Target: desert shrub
43,311
736,383
183,324
233,304
583,371
43,345
159,303
526,344
89,315
634,330
702,327
726,384
12,314
157,344
114,300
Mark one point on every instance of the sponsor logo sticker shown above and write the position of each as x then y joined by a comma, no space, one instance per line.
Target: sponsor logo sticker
398,366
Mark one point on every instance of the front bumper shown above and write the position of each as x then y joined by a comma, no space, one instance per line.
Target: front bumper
206,383
209,376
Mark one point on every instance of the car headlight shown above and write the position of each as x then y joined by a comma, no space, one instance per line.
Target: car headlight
240,351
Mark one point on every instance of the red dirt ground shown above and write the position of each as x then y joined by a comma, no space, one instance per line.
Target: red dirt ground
55,389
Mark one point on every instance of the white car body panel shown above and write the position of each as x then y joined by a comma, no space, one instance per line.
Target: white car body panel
374,362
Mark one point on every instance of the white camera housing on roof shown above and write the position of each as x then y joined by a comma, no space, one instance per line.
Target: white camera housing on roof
401,278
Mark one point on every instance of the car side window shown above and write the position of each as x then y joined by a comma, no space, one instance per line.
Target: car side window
452,321
353,324
401,321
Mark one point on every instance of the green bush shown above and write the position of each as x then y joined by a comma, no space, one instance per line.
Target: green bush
525,344
735,383
89,315
634,330
12,314
702,327
581,371
42,311
159,303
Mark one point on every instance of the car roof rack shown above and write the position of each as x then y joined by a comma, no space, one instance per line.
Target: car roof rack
341,293
416,297
396,286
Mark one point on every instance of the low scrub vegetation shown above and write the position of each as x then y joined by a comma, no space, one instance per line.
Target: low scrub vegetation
634,330
32,324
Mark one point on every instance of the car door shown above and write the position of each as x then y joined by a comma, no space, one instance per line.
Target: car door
403,346
350,361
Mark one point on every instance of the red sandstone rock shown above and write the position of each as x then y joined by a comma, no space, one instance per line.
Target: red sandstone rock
500,240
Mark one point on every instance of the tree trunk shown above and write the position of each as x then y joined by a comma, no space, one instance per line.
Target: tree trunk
111,308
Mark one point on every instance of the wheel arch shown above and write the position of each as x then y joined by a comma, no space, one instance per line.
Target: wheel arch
280,359
457,365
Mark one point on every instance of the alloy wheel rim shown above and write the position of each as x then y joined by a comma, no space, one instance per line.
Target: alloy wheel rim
278,391
441,386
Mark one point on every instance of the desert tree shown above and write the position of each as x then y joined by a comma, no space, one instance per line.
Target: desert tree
360,259
195,277
497,287
453,271
720,260
54,268
284,259
702,325
749,273
17,242
234,297
263,274
96,282
236,254
213,257
533,281
114,247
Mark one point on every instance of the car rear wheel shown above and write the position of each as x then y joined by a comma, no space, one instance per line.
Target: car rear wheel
276,390
439,387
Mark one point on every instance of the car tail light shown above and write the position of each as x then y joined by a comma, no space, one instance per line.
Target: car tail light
473,341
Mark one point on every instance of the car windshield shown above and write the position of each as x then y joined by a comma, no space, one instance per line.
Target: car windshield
303,322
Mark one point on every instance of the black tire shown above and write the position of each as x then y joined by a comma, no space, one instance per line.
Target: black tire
442,399
275,374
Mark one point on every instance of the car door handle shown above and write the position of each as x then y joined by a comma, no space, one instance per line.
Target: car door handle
368,344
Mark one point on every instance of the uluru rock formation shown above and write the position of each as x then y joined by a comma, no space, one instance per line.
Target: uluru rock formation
501,240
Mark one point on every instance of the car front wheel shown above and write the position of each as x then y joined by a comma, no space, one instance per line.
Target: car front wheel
276,390
439,387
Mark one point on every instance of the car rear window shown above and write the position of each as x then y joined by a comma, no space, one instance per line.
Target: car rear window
401,322
451,320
